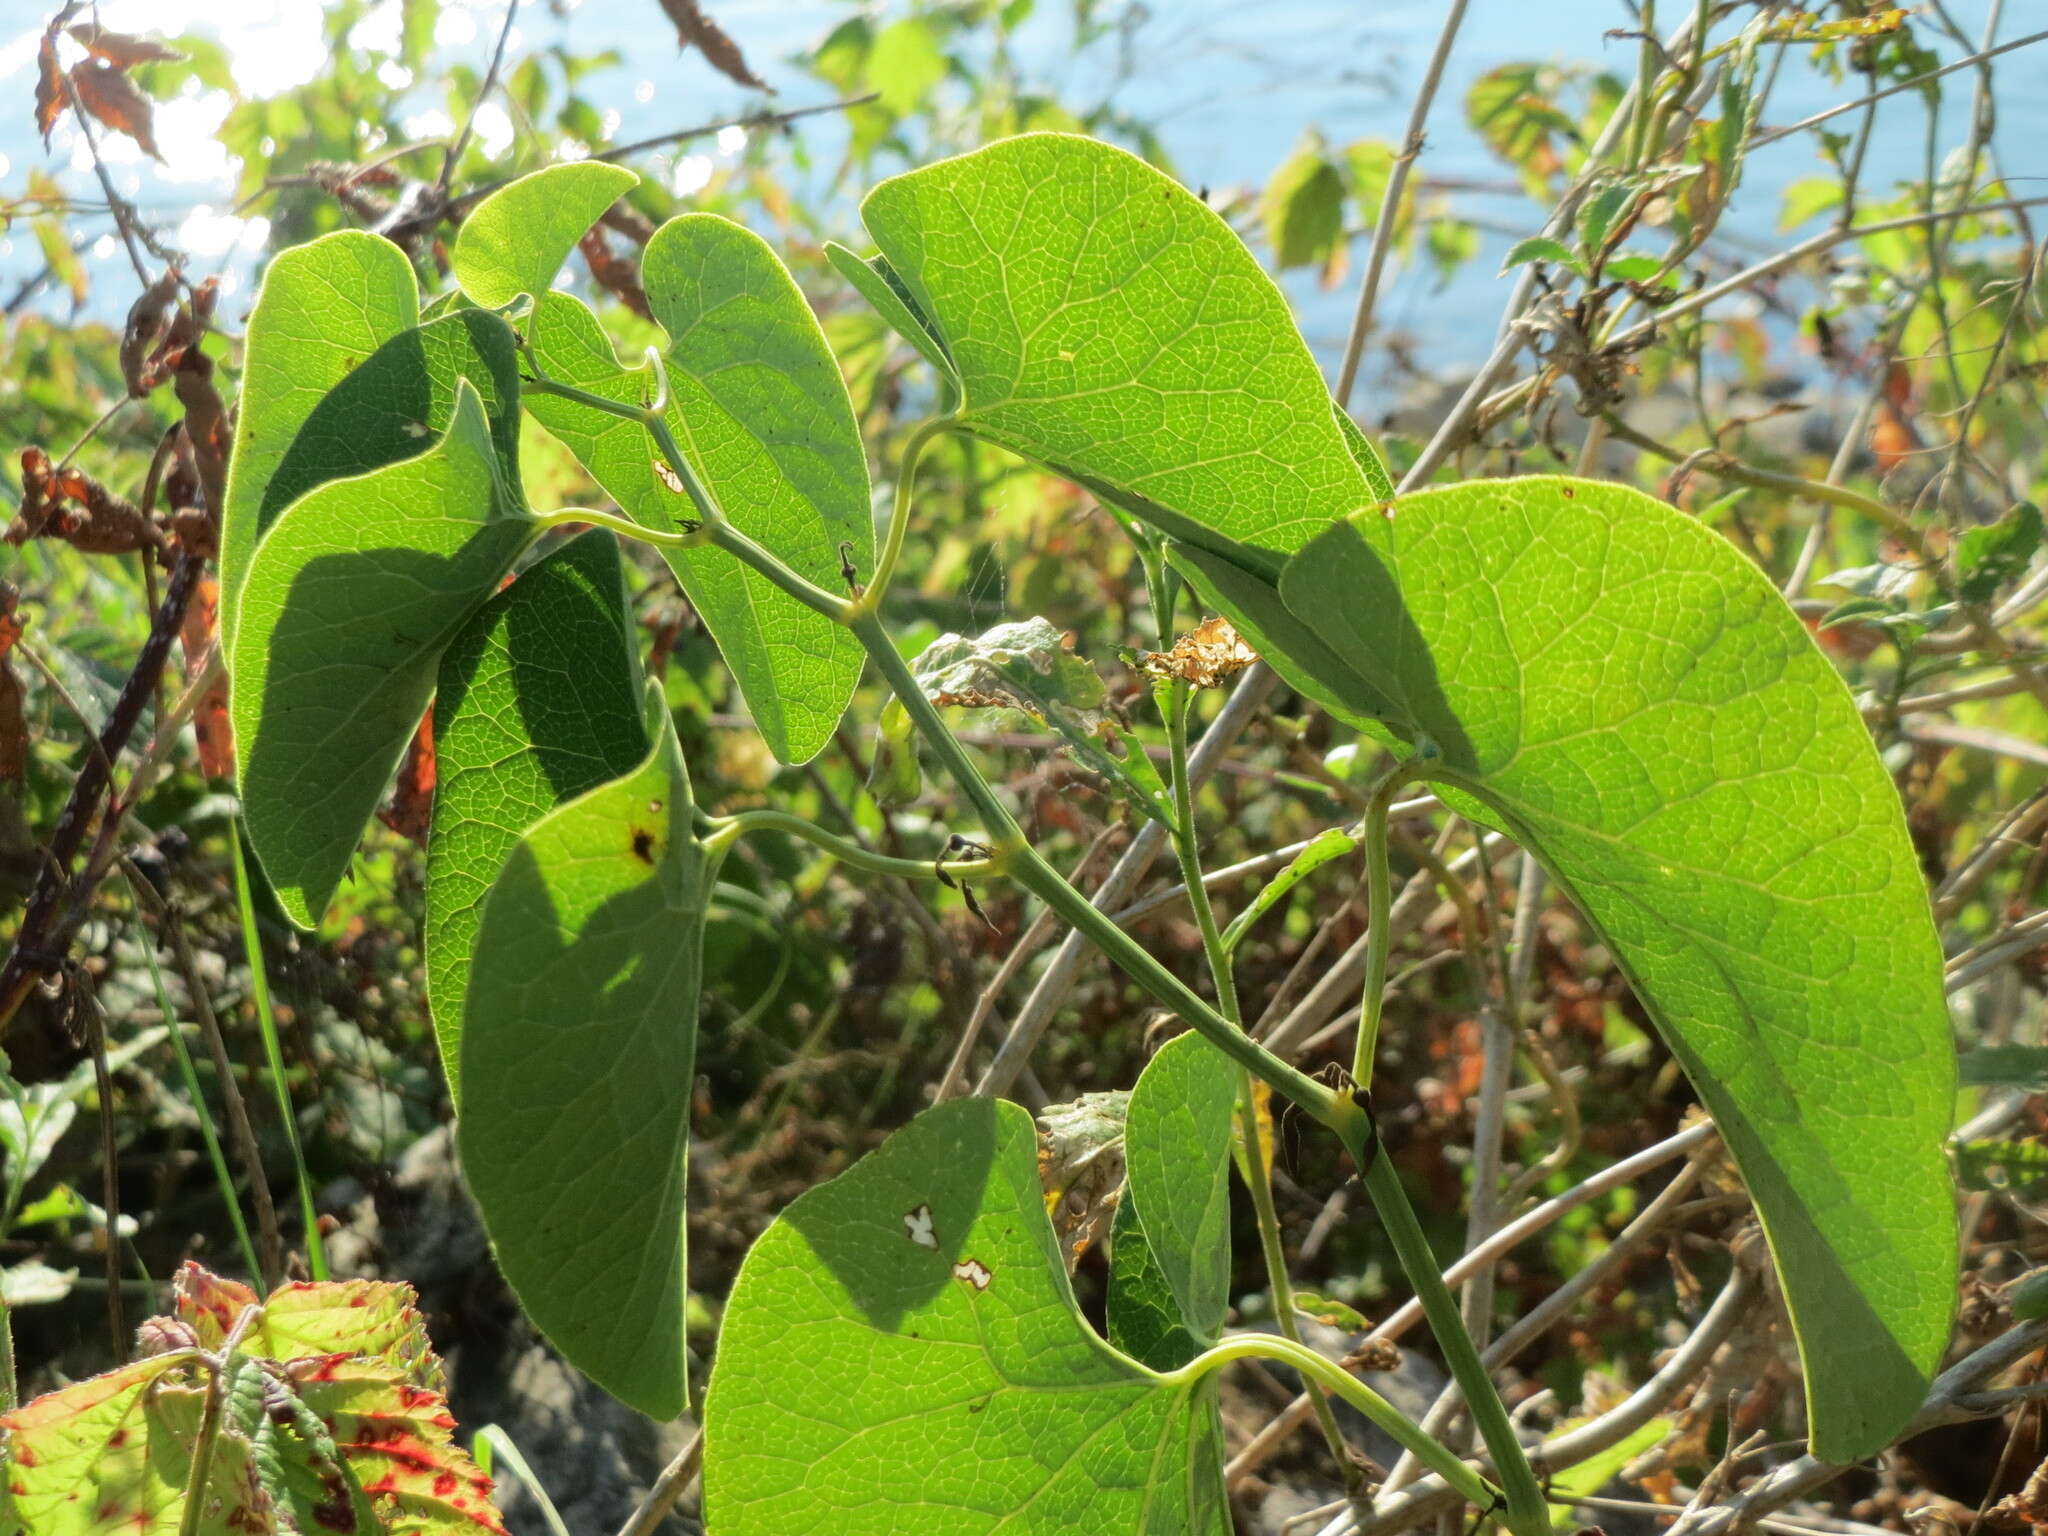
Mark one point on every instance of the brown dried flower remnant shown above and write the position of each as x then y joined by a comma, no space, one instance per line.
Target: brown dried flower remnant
1203,657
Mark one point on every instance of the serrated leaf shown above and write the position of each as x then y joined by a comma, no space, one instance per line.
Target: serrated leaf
349,601
113,1454
1177,1156
758,406
902,1351
1636,704
1106,323
516,240
323,308
538,701
374,1320
578,1041
398,1442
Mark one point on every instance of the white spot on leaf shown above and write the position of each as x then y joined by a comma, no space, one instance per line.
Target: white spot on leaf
917,1226
974,1272
667,476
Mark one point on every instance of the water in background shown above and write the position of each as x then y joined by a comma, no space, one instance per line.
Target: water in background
1230,88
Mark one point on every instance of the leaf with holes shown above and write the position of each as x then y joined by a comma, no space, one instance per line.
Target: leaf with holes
538,702
758,407
349,601
579,1036
1635,704
902,1351
1106,323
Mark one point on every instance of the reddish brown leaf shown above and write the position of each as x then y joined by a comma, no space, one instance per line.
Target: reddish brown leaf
122,50
616,274
115,100
694,28
49,87
411,810
70,505
206,423
146,317
210,712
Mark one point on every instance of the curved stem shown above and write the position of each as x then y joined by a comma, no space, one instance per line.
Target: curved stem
1431,1452
724,830
624,527
870,600
1378,938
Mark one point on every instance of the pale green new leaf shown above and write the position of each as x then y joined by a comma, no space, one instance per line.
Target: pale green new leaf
349,601
539,701
902,1352
1106,323
579,1036
516,240
874,281
758,407
1636,704
1174,1223
324,307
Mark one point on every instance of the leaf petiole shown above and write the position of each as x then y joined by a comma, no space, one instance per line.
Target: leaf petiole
726,830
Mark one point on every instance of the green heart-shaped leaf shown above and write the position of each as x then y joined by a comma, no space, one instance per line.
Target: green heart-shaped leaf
516,240
538,701
1634,702
350,599
324,307
760,410
1169,1283
902,1352
1102,320
579,1035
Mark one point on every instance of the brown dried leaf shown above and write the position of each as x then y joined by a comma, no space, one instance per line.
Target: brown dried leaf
1203,657
121,49
411,810
145,324
693,27
206,423
115,100
617,275
210,722
49,87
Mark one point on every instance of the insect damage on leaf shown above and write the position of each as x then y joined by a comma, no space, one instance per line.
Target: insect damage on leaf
1029,667
1081,1165
973,1272
917,1226
1203,657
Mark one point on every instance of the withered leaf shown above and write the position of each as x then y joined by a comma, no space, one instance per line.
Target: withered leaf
210,724
145,324
693,27
13,717
49,87
115,100
122,49
617,275
1081,1166
1203,657
411,810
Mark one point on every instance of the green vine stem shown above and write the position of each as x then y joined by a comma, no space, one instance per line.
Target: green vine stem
1427,1449
723,831
1378,938
870,600
1339,1109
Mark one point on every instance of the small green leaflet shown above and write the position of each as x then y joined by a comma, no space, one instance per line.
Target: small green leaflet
1106,323
758,406
323,308
538,701
579,1035
1172,1233
516,240
1631,699
1330,843
877,282
349,601
902,1352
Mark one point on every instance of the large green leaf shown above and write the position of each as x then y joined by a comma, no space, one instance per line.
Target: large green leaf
350,599
1172,1233
758,407
1104,321
1635,703
902,1352
539,700
516,240
579,1036
324,307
